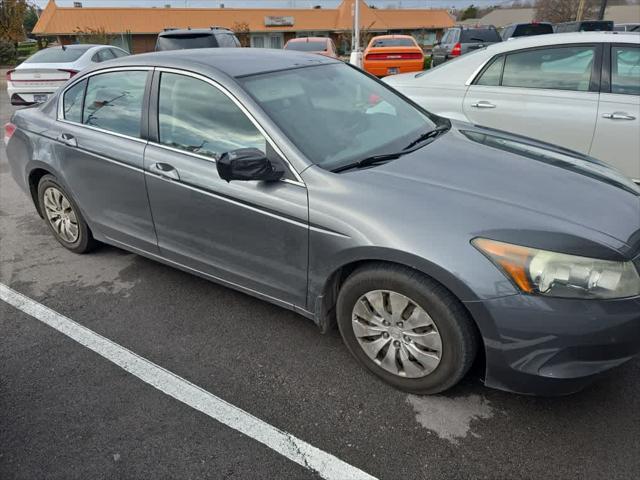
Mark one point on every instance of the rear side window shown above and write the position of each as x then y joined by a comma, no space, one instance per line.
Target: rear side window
565,68
625,70
72,102
113,101
119,53
57,55
197,117
472,35
393,42
227,40
492,74
103,55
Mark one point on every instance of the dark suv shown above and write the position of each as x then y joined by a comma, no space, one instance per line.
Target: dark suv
457,41
175,39
526,30
586,26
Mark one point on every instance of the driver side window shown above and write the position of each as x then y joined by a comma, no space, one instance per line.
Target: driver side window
196,117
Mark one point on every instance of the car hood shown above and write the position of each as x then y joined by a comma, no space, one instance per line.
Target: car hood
541,179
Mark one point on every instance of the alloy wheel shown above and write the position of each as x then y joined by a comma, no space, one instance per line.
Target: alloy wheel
397,334
61,215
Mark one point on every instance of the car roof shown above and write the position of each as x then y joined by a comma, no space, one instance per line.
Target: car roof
234,62
564,38
308,39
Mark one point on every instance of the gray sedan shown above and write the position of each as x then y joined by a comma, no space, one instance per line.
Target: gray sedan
301,180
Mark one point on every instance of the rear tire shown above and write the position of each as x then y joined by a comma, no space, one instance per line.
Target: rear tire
63,217
429,344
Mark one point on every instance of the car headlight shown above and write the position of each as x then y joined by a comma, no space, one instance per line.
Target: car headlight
559,275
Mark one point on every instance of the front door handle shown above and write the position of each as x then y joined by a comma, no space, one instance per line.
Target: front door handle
68,139
618,116
483,104
165,170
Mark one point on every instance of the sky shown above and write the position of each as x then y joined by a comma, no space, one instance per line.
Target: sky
276,3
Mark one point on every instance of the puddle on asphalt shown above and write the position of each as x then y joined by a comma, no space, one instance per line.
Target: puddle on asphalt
450,418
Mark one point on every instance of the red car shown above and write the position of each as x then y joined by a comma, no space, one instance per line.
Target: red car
321,45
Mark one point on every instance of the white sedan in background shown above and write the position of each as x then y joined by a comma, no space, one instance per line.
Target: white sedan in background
45,71
577,90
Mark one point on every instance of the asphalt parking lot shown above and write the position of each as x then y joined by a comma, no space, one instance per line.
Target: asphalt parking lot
67,412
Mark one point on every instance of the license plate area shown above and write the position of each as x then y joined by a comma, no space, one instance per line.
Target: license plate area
393,70
40,97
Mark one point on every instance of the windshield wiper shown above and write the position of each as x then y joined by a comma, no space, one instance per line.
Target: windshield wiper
440,129
366,162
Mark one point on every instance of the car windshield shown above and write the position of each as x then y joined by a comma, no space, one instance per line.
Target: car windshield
336,115
393,42
57,55
471,35
315,46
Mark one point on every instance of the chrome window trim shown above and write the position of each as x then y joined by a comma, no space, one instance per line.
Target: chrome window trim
244,110
477,71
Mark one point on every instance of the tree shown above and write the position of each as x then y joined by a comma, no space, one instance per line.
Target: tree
470,12
565,10
242,30
12,14
93,35
30,19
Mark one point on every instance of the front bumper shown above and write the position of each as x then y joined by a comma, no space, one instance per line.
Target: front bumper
553,346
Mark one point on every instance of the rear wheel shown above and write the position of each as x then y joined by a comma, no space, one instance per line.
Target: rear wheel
63,216
406,328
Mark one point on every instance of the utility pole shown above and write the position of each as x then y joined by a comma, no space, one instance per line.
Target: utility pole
603,8
580,12
356,54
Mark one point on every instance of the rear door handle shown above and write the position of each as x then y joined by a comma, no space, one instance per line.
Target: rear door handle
165,170
618,116
68,139
483,104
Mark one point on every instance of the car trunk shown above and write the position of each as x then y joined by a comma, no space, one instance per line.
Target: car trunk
40,76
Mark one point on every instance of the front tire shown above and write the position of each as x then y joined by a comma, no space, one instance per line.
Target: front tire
406,328
63,216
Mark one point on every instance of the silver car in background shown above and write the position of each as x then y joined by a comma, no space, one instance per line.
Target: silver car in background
577,90
35,79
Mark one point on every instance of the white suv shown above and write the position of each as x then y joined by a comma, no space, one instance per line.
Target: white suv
577,90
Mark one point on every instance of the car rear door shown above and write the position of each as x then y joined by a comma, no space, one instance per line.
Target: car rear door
99,150
247,233
550,94
617,135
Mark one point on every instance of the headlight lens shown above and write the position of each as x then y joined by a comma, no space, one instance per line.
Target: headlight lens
560,275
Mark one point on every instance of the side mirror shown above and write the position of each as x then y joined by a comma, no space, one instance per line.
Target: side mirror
248,164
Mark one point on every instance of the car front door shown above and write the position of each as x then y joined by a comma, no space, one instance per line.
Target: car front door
550,94
252,234
100,153
617,136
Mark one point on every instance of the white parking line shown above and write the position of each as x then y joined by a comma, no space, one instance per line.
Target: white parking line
310,457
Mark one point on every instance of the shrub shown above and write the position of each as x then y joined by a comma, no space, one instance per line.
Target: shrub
7,53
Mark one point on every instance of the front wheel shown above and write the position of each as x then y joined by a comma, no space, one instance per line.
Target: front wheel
406,328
